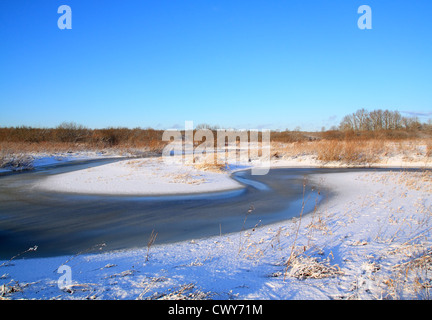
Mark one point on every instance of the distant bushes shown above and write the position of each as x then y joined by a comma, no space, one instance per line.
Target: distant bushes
360,127
348,135
71,133
364,125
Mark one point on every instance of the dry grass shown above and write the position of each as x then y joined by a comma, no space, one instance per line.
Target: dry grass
411,277
421,180
184,292
354,151
329,151
185,178
209,162
429,148
213,167
350,152
303,266
413,180
294,149
9,289
73,133
351,148
31,249
72,138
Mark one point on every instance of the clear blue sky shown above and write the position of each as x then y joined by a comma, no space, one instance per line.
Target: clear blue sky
234,63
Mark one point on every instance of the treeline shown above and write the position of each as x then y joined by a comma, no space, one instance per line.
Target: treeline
362,124
380,120
73,133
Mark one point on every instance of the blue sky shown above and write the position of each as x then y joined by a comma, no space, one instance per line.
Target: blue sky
235,63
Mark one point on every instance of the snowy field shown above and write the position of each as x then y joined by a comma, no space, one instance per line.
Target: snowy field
370,240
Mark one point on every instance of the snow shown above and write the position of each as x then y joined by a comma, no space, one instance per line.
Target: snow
153,176
42,160
310,161
148,176
369,240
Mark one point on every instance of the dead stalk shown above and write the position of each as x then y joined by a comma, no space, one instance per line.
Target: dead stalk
297,231
151,241
19,254
251,208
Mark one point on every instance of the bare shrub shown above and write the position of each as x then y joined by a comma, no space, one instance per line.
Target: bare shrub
16,162
71,132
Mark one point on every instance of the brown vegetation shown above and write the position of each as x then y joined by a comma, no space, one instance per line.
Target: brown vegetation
70,134
17,144
362,138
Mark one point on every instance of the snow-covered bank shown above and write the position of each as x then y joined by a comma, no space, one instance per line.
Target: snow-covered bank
150,176
354,153
310,161
370,240
42,160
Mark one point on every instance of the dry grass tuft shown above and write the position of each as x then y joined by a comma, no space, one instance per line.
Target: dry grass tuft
186,178
6,290
209,163
184,292
304,267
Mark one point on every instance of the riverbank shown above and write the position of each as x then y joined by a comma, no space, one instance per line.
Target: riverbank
149,176
315,153
370,240
153,176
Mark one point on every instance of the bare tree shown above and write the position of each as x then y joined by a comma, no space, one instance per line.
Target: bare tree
71,132
377,120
